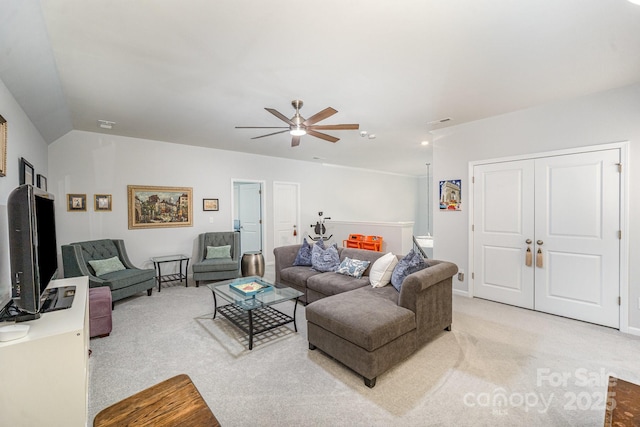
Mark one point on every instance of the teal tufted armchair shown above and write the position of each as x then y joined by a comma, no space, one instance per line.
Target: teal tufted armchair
217,268
123,283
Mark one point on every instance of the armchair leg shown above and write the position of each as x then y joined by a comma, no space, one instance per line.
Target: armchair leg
149,291
312,347
448,328
197,283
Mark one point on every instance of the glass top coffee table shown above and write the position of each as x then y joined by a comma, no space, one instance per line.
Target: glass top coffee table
254,314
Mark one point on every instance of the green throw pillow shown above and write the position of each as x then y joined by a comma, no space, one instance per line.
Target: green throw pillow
219,251
104,266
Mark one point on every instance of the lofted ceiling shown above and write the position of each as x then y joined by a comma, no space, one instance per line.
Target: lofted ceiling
189,71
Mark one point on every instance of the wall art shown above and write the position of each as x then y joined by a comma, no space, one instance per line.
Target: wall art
26,172
3,146
76,202
210,204
42,182
102,202
451,195
154,207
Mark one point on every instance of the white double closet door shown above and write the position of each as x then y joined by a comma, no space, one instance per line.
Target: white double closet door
546,234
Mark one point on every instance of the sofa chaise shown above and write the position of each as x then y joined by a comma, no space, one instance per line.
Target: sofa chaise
370,329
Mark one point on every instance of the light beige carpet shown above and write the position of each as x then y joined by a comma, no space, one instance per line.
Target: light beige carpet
500,365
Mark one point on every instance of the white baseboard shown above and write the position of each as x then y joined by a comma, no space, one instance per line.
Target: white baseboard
461,293
632,331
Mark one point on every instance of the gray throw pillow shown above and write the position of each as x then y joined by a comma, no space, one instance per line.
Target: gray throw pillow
411,263
324,260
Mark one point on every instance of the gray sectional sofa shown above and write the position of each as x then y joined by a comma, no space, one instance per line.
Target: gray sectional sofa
369,329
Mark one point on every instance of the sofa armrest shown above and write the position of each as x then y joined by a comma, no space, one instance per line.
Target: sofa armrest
423,279
428,293
75,266
284,257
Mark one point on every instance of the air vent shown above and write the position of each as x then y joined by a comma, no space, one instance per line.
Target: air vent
440,121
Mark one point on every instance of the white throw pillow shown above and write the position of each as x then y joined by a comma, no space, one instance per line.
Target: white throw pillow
381,270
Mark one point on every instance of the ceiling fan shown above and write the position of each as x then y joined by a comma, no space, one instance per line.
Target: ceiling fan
298,125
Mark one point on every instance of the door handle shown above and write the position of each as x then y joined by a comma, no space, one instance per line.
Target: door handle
528,241
539,242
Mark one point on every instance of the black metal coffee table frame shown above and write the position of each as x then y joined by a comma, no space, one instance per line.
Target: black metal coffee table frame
253,316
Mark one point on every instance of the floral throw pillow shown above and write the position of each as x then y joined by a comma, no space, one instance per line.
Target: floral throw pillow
352,267
324,260
304,254
411,263
303,258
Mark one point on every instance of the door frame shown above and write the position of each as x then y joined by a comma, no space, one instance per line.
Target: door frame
623,146
263,206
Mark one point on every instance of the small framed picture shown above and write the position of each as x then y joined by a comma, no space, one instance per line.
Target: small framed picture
42,182
26,172
3,146
102,202
209,204
76,202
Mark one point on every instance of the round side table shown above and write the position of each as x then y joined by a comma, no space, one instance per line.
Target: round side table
252,264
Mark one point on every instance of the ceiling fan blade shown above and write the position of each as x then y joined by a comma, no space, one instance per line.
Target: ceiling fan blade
269,134
280,116
295,141
327,112
262,127
335,127
322,136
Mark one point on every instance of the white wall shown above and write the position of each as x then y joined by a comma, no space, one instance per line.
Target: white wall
93,163
23,140
610,116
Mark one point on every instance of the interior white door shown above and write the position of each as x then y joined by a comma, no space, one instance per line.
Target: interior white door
566,210
503,222
250,216
286,213
577,223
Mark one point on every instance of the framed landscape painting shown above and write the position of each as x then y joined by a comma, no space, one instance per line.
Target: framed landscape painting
209,204
155,207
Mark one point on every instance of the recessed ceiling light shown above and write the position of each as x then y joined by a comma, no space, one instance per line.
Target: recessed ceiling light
424,143
106,124
635,2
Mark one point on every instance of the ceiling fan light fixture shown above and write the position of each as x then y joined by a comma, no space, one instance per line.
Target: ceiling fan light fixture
297,131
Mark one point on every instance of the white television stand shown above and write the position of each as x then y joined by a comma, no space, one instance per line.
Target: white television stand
45,374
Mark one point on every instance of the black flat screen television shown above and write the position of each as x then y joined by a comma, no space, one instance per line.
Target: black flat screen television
32,245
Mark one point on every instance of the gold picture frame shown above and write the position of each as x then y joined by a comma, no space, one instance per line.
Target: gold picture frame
76,202
157,207
3,146
102,202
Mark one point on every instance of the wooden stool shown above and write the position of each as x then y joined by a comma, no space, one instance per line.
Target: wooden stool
100,306
174,402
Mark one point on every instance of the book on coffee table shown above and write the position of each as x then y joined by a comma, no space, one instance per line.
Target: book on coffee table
250,287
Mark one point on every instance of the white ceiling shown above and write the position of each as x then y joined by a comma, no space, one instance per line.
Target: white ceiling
189,71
